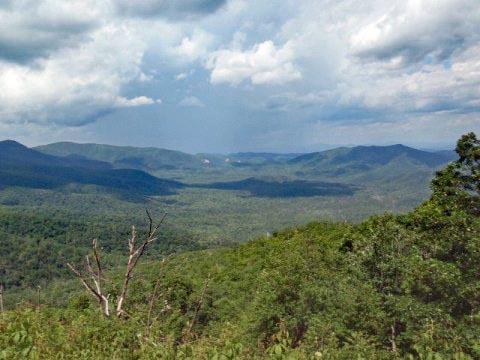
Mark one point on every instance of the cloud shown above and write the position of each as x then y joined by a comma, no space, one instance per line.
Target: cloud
264,63
432,89
419,31
35,28
137,101
400,57
345,64
74,86
173,9
194,47
191,101
181,76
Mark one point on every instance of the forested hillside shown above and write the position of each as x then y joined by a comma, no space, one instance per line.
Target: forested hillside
35,248
26,168
394,286
230,199
126,157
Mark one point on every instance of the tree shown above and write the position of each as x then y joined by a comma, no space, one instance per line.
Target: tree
457,186
96,275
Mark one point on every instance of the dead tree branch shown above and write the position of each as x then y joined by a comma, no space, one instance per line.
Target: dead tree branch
96,291
95,285
134,255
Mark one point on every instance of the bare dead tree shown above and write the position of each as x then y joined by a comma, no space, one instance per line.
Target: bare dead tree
96,289
197,310
95,286
134,255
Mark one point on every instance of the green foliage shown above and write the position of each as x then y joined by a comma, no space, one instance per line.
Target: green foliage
35,248
376,179
458,185
392,287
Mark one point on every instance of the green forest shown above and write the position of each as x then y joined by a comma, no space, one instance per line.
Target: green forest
393,286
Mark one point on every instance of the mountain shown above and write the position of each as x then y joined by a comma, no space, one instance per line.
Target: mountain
13,153
343,161
360,159
148,159
24,167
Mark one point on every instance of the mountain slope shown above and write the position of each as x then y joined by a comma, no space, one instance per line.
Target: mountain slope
394,287
24,167
13,153
148,159
362,159
374,155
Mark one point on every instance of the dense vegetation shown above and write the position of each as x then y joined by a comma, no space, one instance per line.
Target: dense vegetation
233,198
394,286
35,248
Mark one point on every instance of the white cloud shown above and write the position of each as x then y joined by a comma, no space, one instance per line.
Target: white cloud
194,47
404,57
137,101
191,101
264,63
359,61
74,85
419,30
433,88
181,76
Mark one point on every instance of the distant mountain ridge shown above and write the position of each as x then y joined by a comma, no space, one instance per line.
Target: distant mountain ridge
361,159
14,153
149,158
24,167
152,158
120,168
375,155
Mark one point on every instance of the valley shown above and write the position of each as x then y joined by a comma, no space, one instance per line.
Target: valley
267,297
221,202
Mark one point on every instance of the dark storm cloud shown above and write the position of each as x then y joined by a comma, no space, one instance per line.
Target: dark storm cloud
28,31
414,48
429,34
172,9
31,43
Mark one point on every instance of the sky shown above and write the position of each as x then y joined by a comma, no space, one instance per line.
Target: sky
239,75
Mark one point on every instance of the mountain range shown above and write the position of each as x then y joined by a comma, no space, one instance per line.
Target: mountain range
148,158
24,167
132,170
